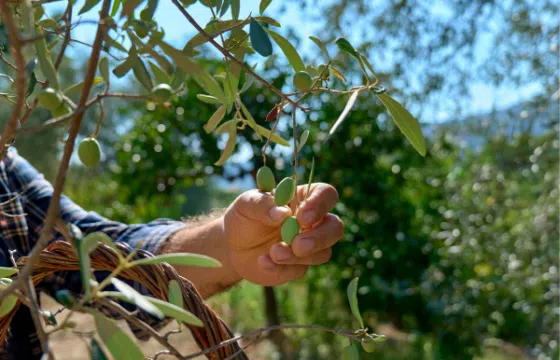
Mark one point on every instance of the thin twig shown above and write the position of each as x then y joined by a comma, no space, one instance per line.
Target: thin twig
99,120
294,109
13,33
68,16
278,115
36,315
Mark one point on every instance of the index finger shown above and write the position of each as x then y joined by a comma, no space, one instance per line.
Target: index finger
321,200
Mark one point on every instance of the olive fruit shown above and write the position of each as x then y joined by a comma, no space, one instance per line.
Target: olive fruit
368,345
265,179
65,298
89,152
50,98
326,74
302,81
285,191
350,353
289,229
161,93
8,303
62,110
49,318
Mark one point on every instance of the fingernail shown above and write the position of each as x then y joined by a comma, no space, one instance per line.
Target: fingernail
266,263
277,213
306,245
308,217
283,254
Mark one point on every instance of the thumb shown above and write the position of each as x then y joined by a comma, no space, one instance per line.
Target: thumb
260,206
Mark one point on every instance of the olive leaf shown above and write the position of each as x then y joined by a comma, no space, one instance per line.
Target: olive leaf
115,8
142,75
45,61
178,78
176,312
230,145
7,272
96,351
344,45
48,23
288,49
344,113
215,119
311,174
235,4
104,68
302,140
122,69
250,120
248,82
88,6
225,7
31,84
214,30
179,259
259,39
352,293
274,138
79,86
160,75
268,20
113,43
368,64
406,122
175,295
337,73
321,45
263,5
7,305
134,297
119,344
129,6
208,99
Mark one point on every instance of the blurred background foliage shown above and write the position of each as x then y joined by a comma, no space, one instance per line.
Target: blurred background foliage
457,253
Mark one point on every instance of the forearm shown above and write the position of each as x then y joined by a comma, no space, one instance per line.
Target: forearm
204,237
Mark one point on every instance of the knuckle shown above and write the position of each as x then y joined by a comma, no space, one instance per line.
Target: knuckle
338,225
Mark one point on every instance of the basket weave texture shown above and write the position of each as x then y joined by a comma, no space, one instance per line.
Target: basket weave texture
61,256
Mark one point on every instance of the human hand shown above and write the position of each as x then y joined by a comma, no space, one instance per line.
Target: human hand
252,230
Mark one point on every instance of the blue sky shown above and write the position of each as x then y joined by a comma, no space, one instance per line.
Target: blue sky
178,30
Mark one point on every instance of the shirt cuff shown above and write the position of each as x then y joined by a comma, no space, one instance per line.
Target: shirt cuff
151,235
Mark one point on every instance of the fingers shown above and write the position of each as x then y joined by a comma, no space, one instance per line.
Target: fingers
260,206
280,274
320,237
282,254
322,199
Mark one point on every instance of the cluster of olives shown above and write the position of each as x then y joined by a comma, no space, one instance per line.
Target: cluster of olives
303,80
283,195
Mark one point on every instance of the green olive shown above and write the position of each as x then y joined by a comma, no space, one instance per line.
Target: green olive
350,353
89,152
289,229
265,179
162,93
49,318
62,110
302,81
285,191
327,72
368,345
50,98
65,298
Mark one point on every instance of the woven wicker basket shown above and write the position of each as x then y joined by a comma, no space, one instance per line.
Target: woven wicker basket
61,256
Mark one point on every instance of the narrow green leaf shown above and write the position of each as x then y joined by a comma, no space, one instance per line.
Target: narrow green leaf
159,74
175,295
48,23
134,297
235,4
116,340
337,73
31,84
104,68
115,44
248,82
38,12
96,351
178,78
85,267
225,7
7,272
344,113
215,29
250,120
176,312
88,6
311,174
7,305
275,137
259,38
368,64
186,259
215,119
230,145
263,5
128,7
224,128
142,74
406,122
209,99
268,20
288,49
303,139
191,67
321,45
78,87
352,293
115,8
344,45
45,61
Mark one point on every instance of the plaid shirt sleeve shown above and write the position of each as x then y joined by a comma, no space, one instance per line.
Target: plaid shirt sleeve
24,199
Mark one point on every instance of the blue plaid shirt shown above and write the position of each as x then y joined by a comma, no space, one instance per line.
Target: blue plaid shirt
24,199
